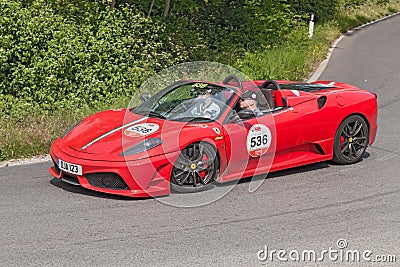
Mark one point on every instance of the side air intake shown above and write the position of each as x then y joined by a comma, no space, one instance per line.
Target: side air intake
322,101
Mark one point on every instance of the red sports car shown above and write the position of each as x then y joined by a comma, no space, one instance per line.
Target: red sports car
193,134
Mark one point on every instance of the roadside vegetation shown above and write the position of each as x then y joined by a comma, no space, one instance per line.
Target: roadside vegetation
61,60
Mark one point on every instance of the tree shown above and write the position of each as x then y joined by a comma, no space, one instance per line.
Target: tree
167,6
151,8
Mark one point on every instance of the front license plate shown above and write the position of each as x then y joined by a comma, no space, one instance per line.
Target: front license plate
69,167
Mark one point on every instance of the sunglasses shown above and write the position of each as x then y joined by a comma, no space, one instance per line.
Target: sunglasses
207,92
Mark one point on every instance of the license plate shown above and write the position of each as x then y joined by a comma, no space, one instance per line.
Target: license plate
70,167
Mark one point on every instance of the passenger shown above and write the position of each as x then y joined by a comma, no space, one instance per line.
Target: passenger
249,101
206,107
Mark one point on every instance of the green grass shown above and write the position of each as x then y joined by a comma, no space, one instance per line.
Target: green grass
31,132
297,59
289,61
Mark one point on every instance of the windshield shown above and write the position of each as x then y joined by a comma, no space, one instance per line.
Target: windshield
188,101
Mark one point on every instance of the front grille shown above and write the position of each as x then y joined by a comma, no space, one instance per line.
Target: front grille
56,169
70,179
107,180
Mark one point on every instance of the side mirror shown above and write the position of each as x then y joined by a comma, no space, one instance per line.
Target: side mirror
144,97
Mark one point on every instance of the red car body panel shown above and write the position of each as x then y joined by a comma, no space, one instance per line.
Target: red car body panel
304,133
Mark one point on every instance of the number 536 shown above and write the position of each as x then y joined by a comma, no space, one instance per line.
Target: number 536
259,140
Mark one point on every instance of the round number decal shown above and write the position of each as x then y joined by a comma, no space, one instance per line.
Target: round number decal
141,129
258,140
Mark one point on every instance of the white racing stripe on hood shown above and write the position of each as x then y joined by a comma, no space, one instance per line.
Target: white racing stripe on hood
111,132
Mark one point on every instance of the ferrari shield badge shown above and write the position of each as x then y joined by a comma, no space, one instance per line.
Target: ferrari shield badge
217,130
258,140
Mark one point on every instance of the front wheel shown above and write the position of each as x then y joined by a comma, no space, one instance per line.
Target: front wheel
351,140
196,169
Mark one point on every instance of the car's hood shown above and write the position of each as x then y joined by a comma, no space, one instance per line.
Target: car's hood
107,134
93,127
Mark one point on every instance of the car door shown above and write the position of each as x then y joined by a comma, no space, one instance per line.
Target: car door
255,143
287,125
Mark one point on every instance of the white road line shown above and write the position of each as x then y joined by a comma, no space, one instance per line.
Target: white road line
26,161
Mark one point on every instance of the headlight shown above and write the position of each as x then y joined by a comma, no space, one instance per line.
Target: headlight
142,146
70,129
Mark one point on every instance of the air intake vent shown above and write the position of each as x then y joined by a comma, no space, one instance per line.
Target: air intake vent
107,180
322,101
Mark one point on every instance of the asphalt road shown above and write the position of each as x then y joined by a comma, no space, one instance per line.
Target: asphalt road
44,222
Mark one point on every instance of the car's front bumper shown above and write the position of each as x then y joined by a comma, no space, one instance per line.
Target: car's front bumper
147,177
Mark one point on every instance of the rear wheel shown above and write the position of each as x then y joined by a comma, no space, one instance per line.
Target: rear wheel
351,140
196,169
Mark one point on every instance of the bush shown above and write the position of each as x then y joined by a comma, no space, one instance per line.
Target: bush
324,10
53,59
224,29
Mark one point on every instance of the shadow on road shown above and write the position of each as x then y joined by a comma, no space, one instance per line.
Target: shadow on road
303,169
295,170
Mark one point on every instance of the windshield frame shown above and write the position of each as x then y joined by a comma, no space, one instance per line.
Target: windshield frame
149,107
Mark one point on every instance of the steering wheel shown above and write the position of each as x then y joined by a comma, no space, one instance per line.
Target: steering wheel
271,82
245,114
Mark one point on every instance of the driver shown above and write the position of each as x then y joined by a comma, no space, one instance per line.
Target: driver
248,101
206,107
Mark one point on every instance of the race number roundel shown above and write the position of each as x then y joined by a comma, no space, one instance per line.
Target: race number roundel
142,129
258,140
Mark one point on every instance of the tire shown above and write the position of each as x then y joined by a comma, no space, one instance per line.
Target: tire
351,140
196,169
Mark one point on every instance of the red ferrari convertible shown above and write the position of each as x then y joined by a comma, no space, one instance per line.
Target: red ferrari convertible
193,134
